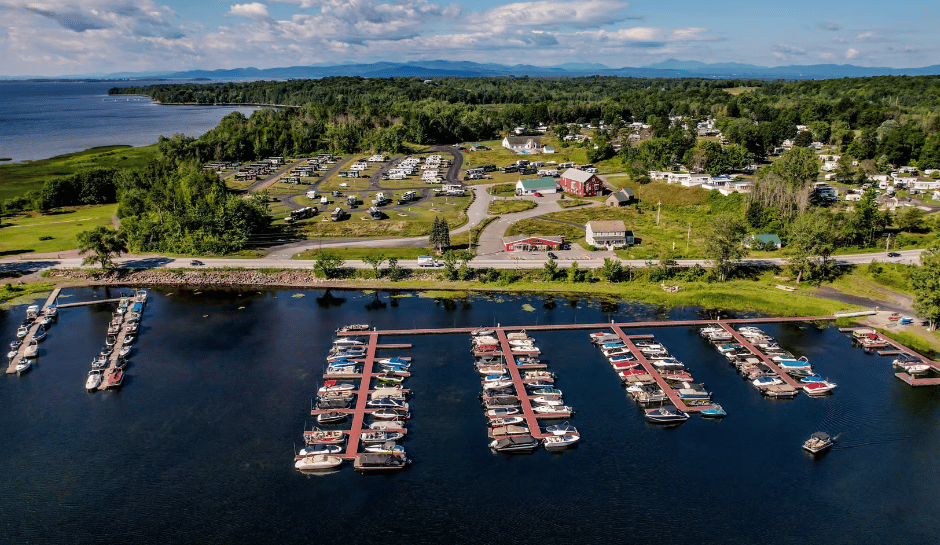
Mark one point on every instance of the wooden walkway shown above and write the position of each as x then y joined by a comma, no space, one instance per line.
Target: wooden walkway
11,367
91,302
660,381
767,361
577,327
119,338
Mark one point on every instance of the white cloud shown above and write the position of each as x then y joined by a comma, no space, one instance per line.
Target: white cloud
255,11
827,56
851,53
552,15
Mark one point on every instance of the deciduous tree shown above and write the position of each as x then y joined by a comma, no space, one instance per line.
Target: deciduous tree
724,244
104,242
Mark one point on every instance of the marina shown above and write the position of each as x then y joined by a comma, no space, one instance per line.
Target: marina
224,415
870,340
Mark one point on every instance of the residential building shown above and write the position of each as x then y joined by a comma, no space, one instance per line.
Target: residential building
608,234
528,243
536,185
763,241
581,183
523,144
621,198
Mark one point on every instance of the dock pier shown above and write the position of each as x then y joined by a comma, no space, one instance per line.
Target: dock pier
20,352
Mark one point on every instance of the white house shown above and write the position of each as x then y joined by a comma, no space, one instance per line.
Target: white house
926,185
523,144
608,234
658,175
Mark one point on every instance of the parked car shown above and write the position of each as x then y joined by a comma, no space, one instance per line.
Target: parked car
196,263
536,194
551,255
894,254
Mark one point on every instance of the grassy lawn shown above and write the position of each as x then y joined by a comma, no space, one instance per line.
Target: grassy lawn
22,233
503,190
16,179
535,226
572,203
509,206
13,294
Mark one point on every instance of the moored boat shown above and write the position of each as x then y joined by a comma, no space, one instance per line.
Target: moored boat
93,380
556,442
22,332
818,388
318,462
324,437
502,413
370,463
515,443
506,421
374,437
715,411
320,449
388,447
31,349
481,331
667,414
116,379
391,414
25,364
332,417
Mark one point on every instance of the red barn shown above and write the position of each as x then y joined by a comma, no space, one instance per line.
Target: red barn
580,183
527,243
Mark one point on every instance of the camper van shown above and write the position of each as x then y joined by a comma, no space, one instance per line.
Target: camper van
379,199
338,214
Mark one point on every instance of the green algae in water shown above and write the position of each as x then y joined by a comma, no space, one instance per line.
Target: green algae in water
528,308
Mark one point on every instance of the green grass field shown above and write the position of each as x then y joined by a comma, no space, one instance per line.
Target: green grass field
510,206
415,220
535,226
23,233
16,179
361,253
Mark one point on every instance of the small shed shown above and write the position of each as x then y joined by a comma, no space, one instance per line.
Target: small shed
624,197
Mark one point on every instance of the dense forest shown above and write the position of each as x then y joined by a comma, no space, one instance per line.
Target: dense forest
891,117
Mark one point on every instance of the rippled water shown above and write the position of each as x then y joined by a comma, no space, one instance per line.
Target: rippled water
197,447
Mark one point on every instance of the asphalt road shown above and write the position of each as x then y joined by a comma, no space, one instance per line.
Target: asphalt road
532,260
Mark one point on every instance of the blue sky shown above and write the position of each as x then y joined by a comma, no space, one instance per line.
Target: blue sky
61,37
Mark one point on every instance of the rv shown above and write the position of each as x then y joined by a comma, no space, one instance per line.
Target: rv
338,214
374,213
379,199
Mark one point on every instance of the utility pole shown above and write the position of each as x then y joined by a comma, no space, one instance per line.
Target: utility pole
659,207
687,237
887,244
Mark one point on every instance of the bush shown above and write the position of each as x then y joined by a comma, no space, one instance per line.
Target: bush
508,276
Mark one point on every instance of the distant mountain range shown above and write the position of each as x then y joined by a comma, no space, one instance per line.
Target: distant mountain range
671,68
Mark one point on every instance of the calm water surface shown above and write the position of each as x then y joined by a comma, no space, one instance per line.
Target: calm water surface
43,119
197,447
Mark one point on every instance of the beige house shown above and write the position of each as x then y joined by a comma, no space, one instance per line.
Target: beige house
608,234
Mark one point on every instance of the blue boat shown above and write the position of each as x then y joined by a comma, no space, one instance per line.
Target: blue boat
137,308
792,365
605,346
621,358
812,379
493,377
715,411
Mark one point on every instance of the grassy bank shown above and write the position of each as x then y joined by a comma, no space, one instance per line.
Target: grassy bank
510,206
13,294
17,179
362,253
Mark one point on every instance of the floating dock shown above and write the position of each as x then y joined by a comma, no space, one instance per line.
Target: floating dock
763,357
899,349
50,301
653,372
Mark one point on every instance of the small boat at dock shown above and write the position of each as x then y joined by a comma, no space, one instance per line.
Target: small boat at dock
353,327
515,443
667,414
373,463
391,414
502,413
819,388
324,437
22,332
375,437
116,379
558,442
481,331
318,462
93,380
715,411
25,364
506,421
331,418
31,349
320,449
388,447
385,425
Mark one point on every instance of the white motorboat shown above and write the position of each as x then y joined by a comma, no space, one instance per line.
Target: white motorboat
22,332
396,393
548,400
23,365
561,429
492,370
502,413
93,381
40,334
549,409
31,349
388,447
332,386
320,449
318,462
554,442
506,421
496,384
128,340
481,331
125,351
818,388
348,341
12,354
522,343
385,425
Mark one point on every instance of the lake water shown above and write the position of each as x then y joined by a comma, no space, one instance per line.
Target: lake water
198,445
44,119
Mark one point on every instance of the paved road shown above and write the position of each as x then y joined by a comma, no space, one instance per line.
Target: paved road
521,260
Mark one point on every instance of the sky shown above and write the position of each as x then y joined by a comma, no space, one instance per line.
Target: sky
96,37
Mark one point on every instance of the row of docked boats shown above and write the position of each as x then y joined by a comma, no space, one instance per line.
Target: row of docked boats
911,364
109,366
643,386
868,339
764,362
503,400
32,330
385,403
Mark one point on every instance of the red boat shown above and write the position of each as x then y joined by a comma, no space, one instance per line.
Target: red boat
632,372
116,378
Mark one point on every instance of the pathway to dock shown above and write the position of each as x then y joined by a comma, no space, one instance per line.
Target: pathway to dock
660,381
11,367
763,357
